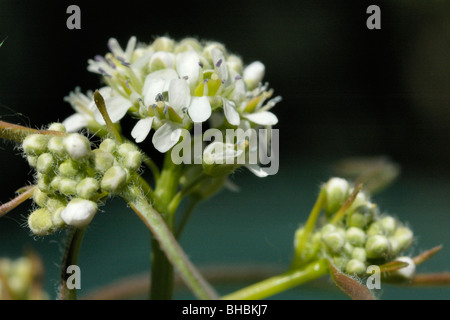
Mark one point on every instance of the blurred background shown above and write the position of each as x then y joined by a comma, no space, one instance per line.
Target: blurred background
347,92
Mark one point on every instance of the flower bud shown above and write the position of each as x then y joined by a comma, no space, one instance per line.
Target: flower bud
163,44
102,160
161,60
108,145
77,146
45,163
40,222
87,188
56,126
32,160
132,160
57,220
355,236
43,182
355,267
389,225
39,197
114,179
336,191
56,147
359,254
54,204
35,144
357,219
334,241
67,186
377,246
407,272
79,212
253,74
376,228
219,159
340,262
404,238
68,168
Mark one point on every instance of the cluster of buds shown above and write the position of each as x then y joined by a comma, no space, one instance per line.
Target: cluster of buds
20,279
363,236
72,177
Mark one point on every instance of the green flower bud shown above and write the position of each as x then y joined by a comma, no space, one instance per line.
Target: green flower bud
67,186
45,163
355,267
32,160
340,262
334,241
355,236
361,202
87,188
327,229
357,220
77,146
68,168
359,254
56,147
57,220
389,225
376,228
163,44
108,145
43,182
40,222
377,246
125,148
39,197
35,144
102,160
132,160
347,249
114,179
56,126
54,184
337,191
402,238
55,203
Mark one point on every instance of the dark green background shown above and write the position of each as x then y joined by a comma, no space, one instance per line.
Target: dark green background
347,91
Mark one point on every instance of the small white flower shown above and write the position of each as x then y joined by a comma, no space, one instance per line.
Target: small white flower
253,74
79,212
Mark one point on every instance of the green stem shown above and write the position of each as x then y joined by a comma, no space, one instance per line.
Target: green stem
73,245
282,282
168,244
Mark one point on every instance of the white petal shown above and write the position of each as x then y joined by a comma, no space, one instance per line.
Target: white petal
199,109
239,90
264,118
115,47
257,170
231,113
142,129
187,65
167,59
253,74
163,74
151,88
75,122
130,48
116,107
166,137
179,94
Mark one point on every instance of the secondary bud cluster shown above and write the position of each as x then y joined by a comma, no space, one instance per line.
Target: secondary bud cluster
71,177
361,238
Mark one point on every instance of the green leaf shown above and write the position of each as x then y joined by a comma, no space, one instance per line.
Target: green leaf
350,286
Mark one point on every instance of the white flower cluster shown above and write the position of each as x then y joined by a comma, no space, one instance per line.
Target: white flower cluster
71,177
363,237
169,85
